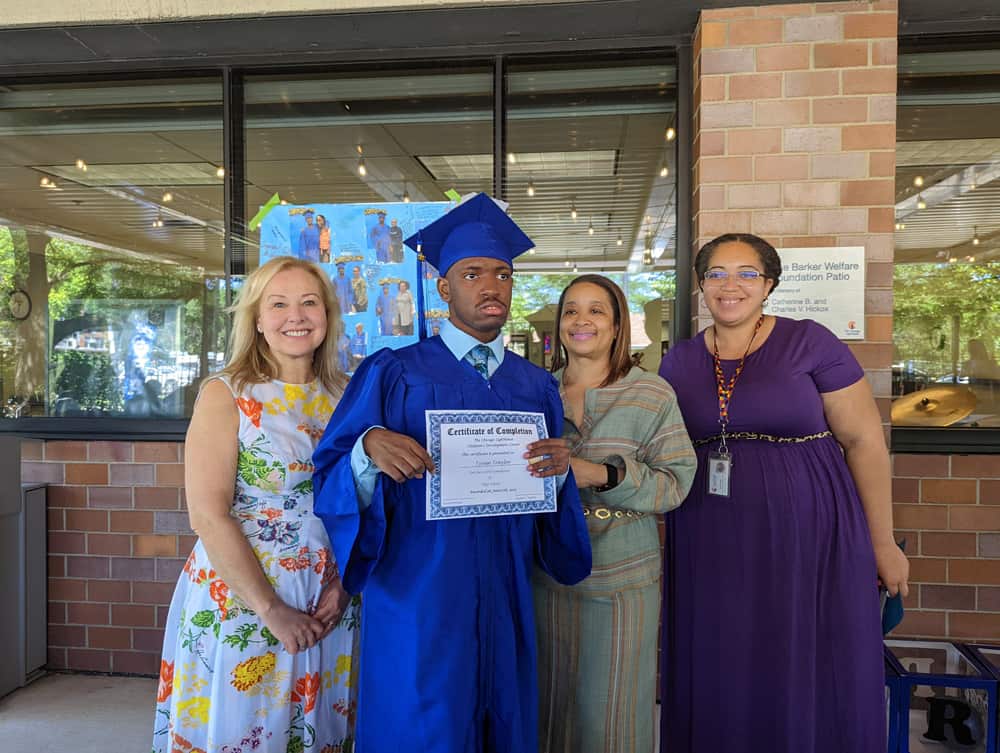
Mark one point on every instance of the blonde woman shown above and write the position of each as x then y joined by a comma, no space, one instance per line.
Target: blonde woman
258,645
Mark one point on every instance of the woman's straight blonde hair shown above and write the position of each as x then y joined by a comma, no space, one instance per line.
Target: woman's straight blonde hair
250,360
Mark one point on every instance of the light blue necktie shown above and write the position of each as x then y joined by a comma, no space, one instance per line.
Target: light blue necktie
479,357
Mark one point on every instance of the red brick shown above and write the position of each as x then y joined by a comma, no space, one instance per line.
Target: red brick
782,112
757,31
710,197
150,640
88,660
64,542
32,449
975,466
170,474
921,624
947,597
989,544
131,521
56,565
823,140
840,110
785,9
861,137
87,473
740,60
86,520
840,165
928,570
882,164
185,544
950,491
840,55
720,14
86,567
152,593
754,141
133,614
66,496
869,81
754,86
881,219
726,115
940,544
716,223
109,637
711,89
67,635
783,57
162,612
782,167
109,496
715,170
136,662
710,144
979,571
55,658
869,25
112,591
119,544
116,451
845,220
713,35
921,517
985,627
974,518
988,599
67,589
87,613
156,498
989,492
920,466
42,473
867,192
753,195
156,452
812,83
155,546
56,612
65,450
806,241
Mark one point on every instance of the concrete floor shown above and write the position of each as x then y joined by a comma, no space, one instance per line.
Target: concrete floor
79,713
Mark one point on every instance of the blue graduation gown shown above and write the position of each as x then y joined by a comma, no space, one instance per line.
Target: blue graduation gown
448,659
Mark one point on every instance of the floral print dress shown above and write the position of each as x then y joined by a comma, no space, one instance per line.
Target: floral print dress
226,683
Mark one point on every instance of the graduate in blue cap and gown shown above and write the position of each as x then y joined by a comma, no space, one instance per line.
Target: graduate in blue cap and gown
448,660
342,284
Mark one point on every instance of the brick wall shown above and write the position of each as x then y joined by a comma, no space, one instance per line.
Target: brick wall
118,536
948,508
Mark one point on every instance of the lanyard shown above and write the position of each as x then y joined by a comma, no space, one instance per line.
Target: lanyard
725,389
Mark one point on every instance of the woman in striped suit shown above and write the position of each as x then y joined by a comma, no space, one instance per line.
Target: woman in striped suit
632,460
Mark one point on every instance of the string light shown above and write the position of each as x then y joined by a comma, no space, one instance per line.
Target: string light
575,269
619,241
590,228
572,211
918,181
168,197
511,159
531,187
664,171
975,236
220,172
566,263
362,168
921,204
671,134
45,182
81,165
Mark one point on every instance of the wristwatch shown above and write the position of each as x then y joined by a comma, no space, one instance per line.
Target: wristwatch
612,479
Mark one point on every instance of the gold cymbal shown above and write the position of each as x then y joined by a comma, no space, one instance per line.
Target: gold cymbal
941,405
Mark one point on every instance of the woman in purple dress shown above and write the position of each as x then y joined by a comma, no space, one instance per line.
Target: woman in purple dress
772,628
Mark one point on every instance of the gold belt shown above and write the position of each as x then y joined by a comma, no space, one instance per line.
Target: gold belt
604,513
762,437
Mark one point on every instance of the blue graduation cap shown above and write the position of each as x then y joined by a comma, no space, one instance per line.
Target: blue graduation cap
477,227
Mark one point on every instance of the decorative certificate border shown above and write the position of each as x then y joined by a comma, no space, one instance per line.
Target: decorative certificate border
435,511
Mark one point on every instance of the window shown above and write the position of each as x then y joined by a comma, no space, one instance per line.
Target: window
946,329
111,246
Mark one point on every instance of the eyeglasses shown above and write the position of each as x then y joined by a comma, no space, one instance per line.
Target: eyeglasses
744,277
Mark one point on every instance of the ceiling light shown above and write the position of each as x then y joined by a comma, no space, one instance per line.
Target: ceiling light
45,182
921,204
590,228
899,226
572,211
220,172
81,165
362,169
168,197
575,269
918,181
531,187
970,258
511,158
953,259
531,251
284,203
158,222
619,241
406,196
566,263
975,236
664,171
671,134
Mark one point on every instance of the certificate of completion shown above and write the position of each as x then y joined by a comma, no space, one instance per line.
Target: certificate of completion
481,469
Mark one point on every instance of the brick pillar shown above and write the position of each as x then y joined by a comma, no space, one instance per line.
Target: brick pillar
795,137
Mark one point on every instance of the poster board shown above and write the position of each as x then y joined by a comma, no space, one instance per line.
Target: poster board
823,284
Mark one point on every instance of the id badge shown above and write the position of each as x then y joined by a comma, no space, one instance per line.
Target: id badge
719,466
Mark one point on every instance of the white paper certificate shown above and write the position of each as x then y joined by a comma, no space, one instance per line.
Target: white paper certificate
481,470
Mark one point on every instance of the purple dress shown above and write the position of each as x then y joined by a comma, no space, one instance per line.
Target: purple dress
771,626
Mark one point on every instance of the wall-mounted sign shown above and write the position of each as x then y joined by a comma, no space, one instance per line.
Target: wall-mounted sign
824,284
